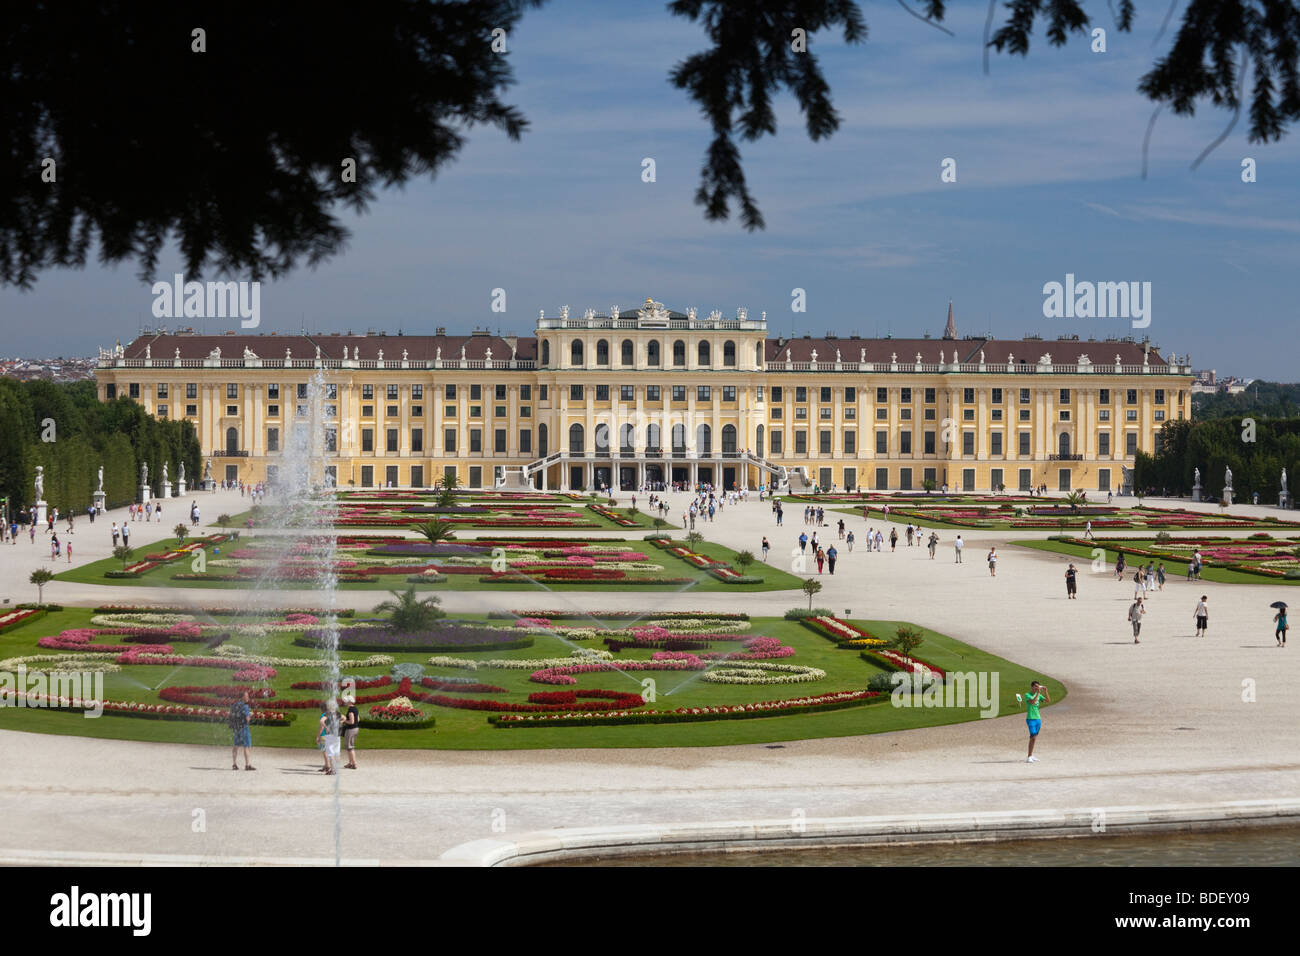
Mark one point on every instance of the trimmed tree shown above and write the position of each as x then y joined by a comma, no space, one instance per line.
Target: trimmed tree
41,577
123,553
810,587
743,560
180,531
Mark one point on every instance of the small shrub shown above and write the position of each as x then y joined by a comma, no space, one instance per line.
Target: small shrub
799,613
883,682
1164,536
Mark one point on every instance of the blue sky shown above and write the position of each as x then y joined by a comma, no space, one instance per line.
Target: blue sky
1048,153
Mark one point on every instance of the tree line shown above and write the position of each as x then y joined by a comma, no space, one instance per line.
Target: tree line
68,430
1260,400
1256,451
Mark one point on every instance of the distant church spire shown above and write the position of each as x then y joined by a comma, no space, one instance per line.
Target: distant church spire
950,330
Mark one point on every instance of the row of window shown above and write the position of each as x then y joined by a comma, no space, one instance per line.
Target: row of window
627,353
905,443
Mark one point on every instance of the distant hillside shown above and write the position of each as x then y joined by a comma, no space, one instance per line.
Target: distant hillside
1260,400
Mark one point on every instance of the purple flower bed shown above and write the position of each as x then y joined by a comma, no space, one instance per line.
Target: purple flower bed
423,549
443,637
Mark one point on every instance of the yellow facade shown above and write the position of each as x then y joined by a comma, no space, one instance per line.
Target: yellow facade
664,396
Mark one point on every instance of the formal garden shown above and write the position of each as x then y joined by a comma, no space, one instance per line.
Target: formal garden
438,559
526,678
466,510
1255,559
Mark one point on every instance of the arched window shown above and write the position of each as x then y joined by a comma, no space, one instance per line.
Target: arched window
679,352
602,439
1065,444
575,439
652,437
704,440
625,438
629,352
602,352
758,442
652,353
575,353
232,440
546,353
729,354
728,439
702,354
679,438
758,355
541,440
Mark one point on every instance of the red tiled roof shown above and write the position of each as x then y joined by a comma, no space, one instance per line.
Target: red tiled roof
419,348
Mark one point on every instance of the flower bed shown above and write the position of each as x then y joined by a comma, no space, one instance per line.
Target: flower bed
396,717
842,632
768,708
894,661
444,637
125,708
14,618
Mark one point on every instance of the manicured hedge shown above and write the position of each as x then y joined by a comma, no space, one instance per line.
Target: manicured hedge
369,724
668,717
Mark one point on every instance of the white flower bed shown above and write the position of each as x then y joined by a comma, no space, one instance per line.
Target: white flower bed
236,653
755,672
695,625
536,664
141,620
64,663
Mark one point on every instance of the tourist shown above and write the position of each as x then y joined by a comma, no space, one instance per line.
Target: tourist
934,543
1071,583
831,556
957,546
70,522
803,542
780,515
241,717
1160,575
1119,566
1280,633
849,538
148,511
1135,612
871,538
1139,584
54,547
157,512
1037,695
814,543
821,559
90,510
1087,531
841,529
69,552
766,547
993,562
328,737
351,726
893,538
880,541
13,532
32,530
115,534
1151,577
126,535
1202,614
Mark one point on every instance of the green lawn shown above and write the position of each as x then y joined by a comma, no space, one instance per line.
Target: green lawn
1174,567
774,579
469,730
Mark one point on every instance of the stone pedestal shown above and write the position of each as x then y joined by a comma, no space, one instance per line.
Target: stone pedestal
42,512
209,484
1227,494
100,498
167,489
180,488
1196,492
146,494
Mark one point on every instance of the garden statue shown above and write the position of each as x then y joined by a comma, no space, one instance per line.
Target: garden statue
101,479
144,473
207,470
40,482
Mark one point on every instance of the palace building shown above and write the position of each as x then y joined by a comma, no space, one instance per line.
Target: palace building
657,395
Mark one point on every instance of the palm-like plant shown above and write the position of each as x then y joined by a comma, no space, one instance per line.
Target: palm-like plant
180,530
408,613
449,485
123,553
436,530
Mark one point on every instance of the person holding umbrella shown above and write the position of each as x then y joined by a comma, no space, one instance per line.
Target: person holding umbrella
1280,618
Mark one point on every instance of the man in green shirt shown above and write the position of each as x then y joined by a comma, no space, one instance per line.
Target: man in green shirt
1037,694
